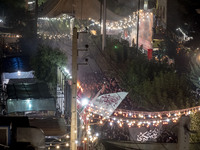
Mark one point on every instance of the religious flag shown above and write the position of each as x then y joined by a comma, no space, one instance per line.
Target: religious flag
105,105
150,51
81,108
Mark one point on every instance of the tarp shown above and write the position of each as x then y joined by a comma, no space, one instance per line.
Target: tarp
81,10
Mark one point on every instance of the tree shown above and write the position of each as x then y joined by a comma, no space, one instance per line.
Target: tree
191,21
156,86
168,91
195,126
41,2
194,74
45,63
16,14
116,50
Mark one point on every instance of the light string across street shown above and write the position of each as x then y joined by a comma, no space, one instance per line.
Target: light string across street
127,22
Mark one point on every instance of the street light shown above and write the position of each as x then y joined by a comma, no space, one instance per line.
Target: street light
84,101
18,73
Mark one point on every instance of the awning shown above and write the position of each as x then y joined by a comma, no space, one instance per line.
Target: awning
84,10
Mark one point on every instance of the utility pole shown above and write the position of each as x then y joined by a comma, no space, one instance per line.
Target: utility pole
138,20
73,137
104,26
36,17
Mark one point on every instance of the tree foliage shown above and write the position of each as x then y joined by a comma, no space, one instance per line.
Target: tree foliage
194,75
156,86
15,13
195,126
167,91
152,85
18,18
45,63
117,50
41,2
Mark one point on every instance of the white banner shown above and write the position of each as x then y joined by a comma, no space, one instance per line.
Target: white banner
105,105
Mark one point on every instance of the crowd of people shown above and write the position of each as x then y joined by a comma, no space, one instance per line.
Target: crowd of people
98,82
91,85
115,132
167,137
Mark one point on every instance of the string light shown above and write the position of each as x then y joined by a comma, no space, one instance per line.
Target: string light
57,146
149,118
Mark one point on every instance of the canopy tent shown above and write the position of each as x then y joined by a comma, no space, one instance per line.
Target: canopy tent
25,97
53,8
81,10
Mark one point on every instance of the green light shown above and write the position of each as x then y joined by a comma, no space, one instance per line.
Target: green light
116,46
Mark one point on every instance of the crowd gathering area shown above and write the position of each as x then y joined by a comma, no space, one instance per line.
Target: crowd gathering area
97,82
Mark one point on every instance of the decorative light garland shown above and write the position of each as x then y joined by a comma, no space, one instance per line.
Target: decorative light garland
141,118
55,36
9,35
62,17
127,22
